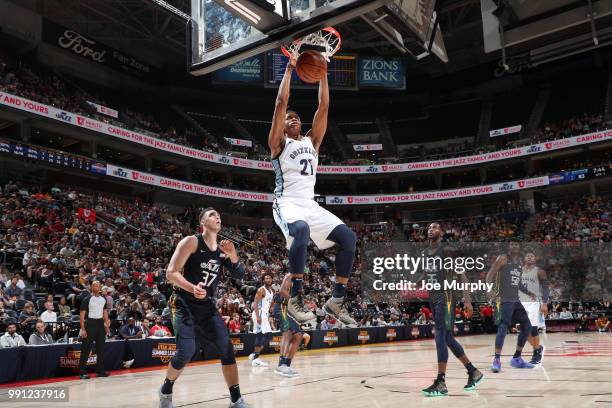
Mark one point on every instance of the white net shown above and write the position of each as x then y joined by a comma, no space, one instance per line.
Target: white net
326,41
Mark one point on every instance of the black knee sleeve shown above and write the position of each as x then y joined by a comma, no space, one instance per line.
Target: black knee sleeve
534,331
227,353
185,350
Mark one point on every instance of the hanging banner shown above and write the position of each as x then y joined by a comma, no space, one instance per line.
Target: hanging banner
239,142
367,147
104,110
505,131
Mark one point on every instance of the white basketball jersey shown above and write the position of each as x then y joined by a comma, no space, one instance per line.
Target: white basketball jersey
532,282
296,169
264,305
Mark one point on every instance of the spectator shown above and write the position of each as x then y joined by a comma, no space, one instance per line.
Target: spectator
130,330
145,327
49,315
28,317
11,338
159,330
63,308
13,290
583,324
134,313
603,324
18,282
40,336
487,316
234,324
327,324
4,280
565,314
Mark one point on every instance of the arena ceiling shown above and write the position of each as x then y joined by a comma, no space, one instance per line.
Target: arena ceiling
150,31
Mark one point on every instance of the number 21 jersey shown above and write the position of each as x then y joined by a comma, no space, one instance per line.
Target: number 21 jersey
295,169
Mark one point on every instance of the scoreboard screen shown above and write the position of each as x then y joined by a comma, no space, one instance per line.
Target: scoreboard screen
341,71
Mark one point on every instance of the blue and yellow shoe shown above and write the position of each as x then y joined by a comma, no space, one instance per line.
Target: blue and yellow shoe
474,378
437,389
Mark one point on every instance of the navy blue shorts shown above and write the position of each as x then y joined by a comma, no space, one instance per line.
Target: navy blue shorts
202,323
284,321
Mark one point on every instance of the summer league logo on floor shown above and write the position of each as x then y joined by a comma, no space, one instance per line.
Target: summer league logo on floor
238,345
164,352
330,338
72,358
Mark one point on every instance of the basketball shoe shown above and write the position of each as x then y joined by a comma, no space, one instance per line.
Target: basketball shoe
297,310
337,309
437,389
474,378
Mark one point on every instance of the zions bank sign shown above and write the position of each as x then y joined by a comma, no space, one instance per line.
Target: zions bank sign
377,72
93,51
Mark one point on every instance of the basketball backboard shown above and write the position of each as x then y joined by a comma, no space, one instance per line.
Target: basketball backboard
219,38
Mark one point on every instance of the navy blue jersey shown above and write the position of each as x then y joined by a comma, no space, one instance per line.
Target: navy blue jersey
433,270
509,279
207,266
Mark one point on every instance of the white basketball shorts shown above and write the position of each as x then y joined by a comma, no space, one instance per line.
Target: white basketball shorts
533,312
321,222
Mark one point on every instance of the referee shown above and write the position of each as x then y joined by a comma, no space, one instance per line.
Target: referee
95,326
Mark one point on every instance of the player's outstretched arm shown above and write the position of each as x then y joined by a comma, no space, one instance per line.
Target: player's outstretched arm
184,249
499,263
276,136
319,123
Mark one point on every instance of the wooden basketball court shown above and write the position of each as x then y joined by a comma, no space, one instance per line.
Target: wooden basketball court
577,372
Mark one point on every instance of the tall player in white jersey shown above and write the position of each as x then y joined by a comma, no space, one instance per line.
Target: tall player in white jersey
261,319
295,160
534,278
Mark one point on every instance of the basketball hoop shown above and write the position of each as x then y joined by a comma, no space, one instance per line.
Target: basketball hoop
327,41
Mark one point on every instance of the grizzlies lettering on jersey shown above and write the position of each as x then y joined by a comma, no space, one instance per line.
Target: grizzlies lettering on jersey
509,279
295,169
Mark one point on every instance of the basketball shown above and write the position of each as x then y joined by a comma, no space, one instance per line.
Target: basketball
311,66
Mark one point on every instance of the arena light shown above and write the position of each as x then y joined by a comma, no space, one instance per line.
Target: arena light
172,9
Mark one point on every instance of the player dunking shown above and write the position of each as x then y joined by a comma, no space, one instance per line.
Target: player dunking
295,160
443,308
535,280
261,323
195,270
506,272
290,329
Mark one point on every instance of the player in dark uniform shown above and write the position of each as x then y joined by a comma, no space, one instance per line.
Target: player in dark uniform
289,327
443,308
506,272
195,270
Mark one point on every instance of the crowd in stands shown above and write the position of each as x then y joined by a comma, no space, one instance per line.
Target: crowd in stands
29,81
50,246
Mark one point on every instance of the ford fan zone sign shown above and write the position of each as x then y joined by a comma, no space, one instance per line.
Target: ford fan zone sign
84,122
